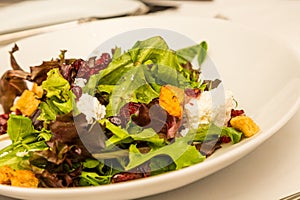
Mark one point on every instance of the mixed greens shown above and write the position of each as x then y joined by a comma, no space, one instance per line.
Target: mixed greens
110,119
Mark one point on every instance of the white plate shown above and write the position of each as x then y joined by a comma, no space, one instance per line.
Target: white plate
262,72
28,14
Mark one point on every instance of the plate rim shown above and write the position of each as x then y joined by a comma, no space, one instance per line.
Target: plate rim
260,138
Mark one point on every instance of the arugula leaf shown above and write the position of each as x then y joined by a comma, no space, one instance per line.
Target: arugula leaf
94,173
93,179
149,135
161,164
202,52
189,53
25,139
90,163
123,136
116,53
134,88
211,131
111,74
182,154
16,155
148,49
204,133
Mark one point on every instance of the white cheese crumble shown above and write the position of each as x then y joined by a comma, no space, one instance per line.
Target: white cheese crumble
80,82
202,110
91,107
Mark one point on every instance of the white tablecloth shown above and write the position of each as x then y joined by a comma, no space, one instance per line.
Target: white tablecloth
272,170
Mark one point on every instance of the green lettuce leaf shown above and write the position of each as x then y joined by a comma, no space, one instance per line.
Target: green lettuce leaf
110,75
19,127
189,53
149,49
147,52
161,164
123,136
204,133
234,134
17,154
59,96
211,131
94,179
56,85
182,154
134,88
117,53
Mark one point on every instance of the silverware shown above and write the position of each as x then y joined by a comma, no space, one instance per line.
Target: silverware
295,196
14,35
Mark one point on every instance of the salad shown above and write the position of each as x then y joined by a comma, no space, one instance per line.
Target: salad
121,116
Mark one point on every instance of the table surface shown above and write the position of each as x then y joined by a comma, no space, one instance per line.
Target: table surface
270,171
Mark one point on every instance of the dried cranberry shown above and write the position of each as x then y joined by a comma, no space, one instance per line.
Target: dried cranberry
126,176
225,139
77,64
3,123
104,60
235,113
65,71
83,69
18,112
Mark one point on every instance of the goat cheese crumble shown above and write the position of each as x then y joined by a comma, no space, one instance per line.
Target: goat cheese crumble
202,110
91,107
80,82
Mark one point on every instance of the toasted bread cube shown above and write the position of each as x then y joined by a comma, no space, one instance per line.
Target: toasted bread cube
20,178
27,103
5,175
244,124
24,178
38,90
171,100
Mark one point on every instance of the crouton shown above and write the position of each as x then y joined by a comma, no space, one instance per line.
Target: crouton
244,124
20,178
24,178
38,90
171,99
5,175
27,103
